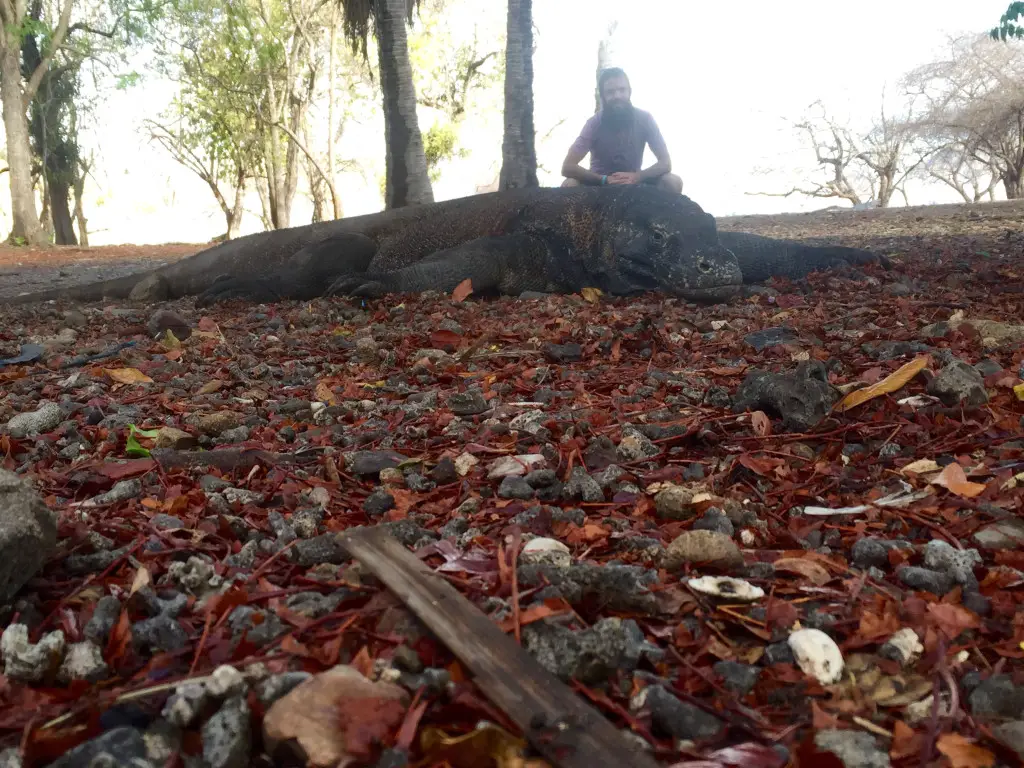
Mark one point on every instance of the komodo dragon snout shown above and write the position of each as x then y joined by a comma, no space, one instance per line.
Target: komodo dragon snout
670,244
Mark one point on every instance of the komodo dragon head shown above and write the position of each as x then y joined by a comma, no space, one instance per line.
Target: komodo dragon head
664,241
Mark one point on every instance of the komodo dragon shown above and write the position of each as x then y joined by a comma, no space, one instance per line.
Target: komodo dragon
620,239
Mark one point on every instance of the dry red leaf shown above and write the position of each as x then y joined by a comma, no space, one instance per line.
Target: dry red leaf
462,290
964,753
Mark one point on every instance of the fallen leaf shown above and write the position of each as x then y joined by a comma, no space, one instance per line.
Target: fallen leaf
953,619
964,753
813,572
127,376
462,290
953,479
170,341
1018,390
921,467
591,295
210,387
891,383
761,423
142,579
324,394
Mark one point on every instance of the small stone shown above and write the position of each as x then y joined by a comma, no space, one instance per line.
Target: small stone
123,490
45,418
320,549
306,522
546,550
378,502
514,466
468,403
164,320
957,383
1012,735
715,519
104,617
563,353
634,446
166,522
542,478
778,653
903,647
1002,534
581,486
515,488
184,705
958,563
372,462
117,747
161,633
976,602
817,655
219,421
445,471
737,677
178,439
868,552
925,579
28,533
674,503
84,661
854,748
276,686
727,588
226,681
464,463
708,548
27,662
227,736
997,697
678,719
770,337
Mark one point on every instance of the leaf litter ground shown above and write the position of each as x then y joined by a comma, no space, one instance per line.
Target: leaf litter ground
569,464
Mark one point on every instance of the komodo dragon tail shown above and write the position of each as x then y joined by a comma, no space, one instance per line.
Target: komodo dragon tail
115,288
762,258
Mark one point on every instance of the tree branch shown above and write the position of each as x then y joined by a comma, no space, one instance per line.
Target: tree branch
56,42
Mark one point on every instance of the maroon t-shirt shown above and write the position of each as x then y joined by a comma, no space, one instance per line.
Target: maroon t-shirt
614,151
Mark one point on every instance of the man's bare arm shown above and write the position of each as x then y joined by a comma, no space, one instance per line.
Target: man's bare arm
660,168
572,169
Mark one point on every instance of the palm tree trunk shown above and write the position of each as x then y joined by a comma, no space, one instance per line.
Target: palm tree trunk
406,180
518,152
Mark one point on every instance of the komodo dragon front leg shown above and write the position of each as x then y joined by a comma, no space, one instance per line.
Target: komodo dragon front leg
305,275
508,264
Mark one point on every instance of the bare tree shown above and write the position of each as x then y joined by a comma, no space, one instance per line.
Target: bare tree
869,166
974,101
953,164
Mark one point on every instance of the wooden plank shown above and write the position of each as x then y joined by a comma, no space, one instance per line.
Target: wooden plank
560,725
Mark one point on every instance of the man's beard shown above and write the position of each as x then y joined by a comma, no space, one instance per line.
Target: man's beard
618,116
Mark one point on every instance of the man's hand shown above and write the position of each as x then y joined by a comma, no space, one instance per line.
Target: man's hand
623,177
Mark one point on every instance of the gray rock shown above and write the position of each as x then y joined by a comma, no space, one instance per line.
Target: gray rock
958,563
372,462
770,337
778,653
98,561
1012,735
715,519
802,398
855,749
997,697
28,533
10,758
104,617
541,478
958,383
122,491
616,587
467,403
320,549
164,320
581,486
563,353
988,367
259,627
874,552
737,677
679,719
245,557
306,522
515,488
702,547
30,662
635,446
116,747
161,633
46,418
276,686
589,655
378,502
1002,534
227,736
166,522
184,705
925,579
84,661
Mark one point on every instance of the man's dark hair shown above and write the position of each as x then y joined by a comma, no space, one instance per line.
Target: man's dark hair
606,75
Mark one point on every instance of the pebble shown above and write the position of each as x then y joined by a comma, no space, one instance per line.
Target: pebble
378,502
104,617
716,520
28,533
164,320
958,563
1002,534
635,446
468,403
306,522
514,466
737,677
563,353
44,419
515,488
582,487
925,579
276,686
675,718
184,705
674,503
227,736
997,697
372,462
161,633
726,588
27,662
708,548
123,746
213,424
324,548
444,472
854,748
225,681
546,550
1012,735
591,655
83,661
873,552
903,647
123,490
958,382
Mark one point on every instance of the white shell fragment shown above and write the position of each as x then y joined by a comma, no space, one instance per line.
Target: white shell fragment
905,645
546,550
817,655
726,587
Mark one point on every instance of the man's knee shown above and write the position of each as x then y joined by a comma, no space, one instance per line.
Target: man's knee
671,183
570,183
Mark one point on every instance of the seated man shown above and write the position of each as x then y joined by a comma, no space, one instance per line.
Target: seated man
615,138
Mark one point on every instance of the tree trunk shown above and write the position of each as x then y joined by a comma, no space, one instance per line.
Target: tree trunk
518,151
25,226
331,164
60,213
605,59
1012,184
83,230
234,216
406,179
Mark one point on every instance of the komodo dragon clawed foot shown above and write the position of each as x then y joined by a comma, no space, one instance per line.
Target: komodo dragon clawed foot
365,286
226,288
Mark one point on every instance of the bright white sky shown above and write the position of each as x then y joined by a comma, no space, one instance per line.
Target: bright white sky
719,78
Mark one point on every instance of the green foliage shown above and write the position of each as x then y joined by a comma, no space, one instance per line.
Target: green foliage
1008,26
440,143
